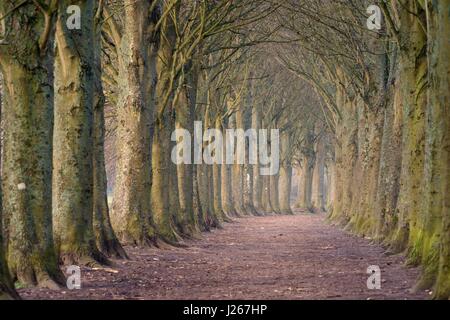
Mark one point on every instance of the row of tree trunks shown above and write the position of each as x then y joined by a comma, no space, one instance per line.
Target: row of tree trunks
57,131
392,162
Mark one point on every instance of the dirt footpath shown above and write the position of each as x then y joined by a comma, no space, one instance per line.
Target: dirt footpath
274,257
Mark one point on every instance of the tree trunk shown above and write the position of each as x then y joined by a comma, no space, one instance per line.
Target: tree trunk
306,197
285,180
27,151
161,156
178,220
436,207
267,207
7,290
185,109
390,166
106,239
131,211
318,191
200,214
226,184
300,184
247,168
217,183
236,122
274,192
73,139
161,165
285,189
238,169
331,186
257,178
412,75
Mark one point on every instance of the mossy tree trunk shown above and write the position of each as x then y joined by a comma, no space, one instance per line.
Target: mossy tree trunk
390,166
131,210
26,66
413,69
7,290
73,139
436,207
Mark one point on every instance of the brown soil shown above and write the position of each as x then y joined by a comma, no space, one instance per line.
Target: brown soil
273,257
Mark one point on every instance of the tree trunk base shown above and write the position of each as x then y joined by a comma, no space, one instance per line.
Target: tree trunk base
89,258
112,248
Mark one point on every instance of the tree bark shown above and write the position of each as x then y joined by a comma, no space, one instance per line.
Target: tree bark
73,139
236,122
318,188
274,192
7,290
226,183
185,109
27,150
267,207
131,211
331,186
161,168
285,180
306,197
257,178
413,68
106,239
436,207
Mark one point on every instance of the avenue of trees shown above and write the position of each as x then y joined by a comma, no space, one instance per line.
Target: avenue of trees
88,112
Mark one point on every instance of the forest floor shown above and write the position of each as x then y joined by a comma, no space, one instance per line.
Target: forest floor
272,257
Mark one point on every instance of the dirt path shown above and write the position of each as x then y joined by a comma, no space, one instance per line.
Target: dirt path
275,257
